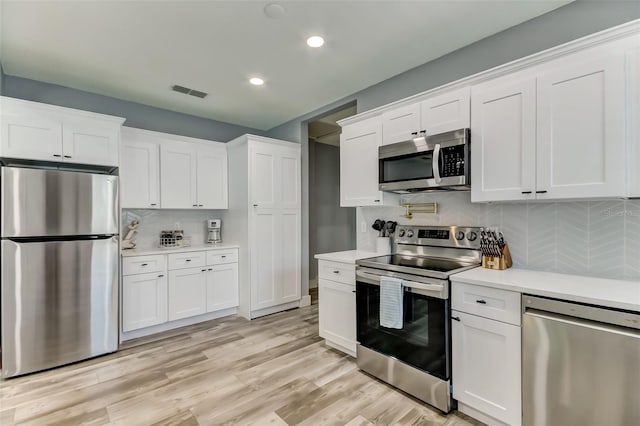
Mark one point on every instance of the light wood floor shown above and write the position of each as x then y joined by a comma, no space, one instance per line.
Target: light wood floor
270,371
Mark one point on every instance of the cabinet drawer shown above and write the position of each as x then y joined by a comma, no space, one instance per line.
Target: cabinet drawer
335,271
143,264
493,303
194,259
221,257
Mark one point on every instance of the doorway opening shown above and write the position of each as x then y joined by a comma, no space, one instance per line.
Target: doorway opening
331,227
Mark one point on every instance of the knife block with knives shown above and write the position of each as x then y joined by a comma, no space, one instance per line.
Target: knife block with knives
495,251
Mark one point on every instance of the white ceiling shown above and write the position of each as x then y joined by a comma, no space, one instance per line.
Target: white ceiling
136,50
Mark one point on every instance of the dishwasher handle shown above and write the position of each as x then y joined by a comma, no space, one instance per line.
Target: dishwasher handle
585,323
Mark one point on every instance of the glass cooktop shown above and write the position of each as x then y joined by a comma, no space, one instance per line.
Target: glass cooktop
419,265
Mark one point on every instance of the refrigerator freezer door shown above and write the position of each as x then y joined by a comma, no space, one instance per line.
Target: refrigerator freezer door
59,302
40,203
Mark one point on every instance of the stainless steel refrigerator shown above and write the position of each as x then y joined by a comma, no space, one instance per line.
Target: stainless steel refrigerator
58,268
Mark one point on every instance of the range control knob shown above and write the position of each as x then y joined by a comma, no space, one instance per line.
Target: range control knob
401,233
471,236
460,235
410,233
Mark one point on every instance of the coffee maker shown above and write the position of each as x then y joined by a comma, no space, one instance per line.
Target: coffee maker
214,227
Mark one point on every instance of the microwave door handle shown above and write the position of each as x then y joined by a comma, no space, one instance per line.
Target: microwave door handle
436,163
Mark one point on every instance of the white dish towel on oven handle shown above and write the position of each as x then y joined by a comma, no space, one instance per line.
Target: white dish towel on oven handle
391,296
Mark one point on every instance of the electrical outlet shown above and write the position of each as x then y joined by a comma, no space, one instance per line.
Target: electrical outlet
363,226
176,225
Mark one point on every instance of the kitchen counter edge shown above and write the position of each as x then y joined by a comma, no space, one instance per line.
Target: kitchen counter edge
152,251
619,294
348,256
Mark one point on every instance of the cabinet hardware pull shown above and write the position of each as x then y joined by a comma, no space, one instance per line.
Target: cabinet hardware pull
204,270
144,264
187,260
336,272
481,301
376,201
423,131
255,205
353,291
195,205
67,156
455,318
526,192
414,133
160,276
200,205
210,269
541,192
57,155
223,256
153,204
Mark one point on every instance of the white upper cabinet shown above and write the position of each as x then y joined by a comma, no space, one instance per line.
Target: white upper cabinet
581,129
212,178
400,124
446,112
178,175
89,141
160,170
503,140
139,172
438,114
34,131
558,133
359,144
263,169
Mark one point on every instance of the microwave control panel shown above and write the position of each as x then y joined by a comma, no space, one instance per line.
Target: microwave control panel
452,160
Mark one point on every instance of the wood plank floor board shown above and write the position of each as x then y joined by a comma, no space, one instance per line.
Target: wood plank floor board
274,370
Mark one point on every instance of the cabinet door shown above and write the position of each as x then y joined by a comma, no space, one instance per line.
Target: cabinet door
212,192
581,130
359,144
31,137
486,366
140,175
187,293
401,124
222,287
144,300
503,140
447,112
89,141
289,252
337,313
633,124
178,176
265,258
262,176
289,179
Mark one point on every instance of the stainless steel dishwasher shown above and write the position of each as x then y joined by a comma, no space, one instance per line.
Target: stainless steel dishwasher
580,364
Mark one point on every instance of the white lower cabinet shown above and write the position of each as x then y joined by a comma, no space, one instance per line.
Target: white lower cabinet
199,286
222,287
144,300
486,353
337,305
187,293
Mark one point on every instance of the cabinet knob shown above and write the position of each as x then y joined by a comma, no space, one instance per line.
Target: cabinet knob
481,301
57,155
456,318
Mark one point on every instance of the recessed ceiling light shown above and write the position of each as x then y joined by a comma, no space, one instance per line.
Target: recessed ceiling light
315,41
256,81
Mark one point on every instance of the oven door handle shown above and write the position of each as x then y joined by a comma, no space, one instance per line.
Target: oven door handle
436,163
436,290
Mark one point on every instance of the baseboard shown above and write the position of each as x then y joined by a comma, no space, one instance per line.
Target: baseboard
134,334
305,301
274,309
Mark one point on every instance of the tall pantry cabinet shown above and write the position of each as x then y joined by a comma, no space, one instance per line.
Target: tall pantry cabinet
265,217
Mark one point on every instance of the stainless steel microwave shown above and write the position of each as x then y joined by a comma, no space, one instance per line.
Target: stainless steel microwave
426,163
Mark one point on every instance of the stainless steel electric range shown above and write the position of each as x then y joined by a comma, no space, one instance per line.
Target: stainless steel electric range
417,357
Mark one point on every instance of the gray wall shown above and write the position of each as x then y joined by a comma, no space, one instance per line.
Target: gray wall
137,115
331,227
567,23
1,80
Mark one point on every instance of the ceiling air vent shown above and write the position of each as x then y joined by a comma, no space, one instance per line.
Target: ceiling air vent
187,91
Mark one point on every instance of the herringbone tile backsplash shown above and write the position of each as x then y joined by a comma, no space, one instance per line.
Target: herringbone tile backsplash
594,238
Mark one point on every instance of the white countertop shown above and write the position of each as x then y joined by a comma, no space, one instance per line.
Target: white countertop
596,291
349,256
151,250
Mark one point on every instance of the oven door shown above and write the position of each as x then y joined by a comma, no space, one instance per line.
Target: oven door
424,341
425,163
